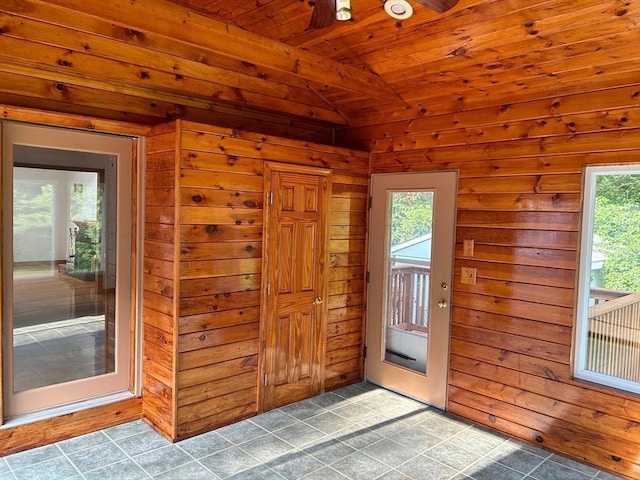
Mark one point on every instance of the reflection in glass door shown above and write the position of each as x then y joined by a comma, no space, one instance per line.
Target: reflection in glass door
408,267
62,328
67,268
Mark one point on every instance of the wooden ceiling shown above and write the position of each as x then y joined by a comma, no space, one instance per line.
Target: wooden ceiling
505,50
150,60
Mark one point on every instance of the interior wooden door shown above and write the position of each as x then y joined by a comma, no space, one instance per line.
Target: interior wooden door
295,283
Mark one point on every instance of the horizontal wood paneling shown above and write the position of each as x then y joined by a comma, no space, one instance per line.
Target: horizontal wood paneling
220,253
159,282
346,282
203,264
71,60
43,432
519,200
518,96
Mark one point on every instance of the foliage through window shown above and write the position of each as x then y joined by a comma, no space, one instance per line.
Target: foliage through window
411,215
608,323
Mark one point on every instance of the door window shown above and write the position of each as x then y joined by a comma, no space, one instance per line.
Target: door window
408,269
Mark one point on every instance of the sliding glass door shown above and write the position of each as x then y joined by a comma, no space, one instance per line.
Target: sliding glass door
66,266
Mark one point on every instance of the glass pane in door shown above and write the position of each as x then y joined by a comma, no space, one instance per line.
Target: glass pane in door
408,265
63,303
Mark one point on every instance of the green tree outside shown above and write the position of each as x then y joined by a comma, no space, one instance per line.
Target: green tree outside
411,215
617,224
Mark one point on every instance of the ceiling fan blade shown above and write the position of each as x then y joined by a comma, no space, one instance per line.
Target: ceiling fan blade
324,14
438,5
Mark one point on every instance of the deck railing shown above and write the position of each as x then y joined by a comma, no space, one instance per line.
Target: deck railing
613,346
409,300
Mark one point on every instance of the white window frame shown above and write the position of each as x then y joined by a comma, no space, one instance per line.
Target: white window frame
584,278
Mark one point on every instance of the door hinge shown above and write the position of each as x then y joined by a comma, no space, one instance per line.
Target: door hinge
367,277
266,380
370,202
268,288
365,352
270,198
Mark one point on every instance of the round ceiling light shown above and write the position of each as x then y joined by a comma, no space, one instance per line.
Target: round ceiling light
398,9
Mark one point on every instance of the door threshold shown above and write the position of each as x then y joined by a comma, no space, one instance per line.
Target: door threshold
65,409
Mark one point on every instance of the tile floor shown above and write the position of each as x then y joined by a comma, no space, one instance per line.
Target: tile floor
359,432
57,352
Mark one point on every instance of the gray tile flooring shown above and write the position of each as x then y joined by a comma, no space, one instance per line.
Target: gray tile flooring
57,352
360,432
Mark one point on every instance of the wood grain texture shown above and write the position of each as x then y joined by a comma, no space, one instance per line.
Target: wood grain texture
211,66
520,202
69,61
159,283
202,270
519,96
43,432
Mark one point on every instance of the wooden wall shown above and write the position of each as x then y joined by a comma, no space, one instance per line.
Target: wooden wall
519,200
159,302
203,252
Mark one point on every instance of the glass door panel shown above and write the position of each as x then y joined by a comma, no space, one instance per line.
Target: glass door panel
66,266
60,319
408,266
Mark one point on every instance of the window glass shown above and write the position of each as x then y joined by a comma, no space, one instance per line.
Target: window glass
608,324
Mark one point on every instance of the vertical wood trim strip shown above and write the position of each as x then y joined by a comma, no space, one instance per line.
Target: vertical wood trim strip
1,278
176,273
326,239
264,294
135,226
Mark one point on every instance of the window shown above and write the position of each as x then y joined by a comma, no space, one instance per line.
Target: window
608,322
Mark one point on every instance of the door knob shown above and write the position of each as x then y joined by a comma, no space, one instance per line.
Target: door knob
317,300
443,304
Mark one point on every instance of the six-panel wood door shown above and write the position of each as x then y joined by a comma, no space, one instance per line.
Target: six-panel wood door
295,283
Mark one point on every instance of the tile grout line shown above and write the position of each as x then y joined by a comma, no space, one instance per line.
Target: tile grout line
57,444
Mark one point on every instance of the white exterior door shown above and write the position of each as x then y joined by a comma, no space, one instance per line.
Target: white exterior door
411,249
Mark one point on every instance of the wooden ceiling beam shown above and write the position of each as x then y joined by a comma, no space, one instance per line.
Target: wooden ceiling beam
45,61
190,26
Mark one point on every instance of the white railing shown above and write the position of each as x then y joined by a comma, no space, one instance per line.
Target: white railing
409,300
613,346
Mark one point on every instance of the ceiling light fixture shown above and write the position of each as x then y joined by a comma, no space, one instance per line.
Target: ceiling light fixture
398,9
343,10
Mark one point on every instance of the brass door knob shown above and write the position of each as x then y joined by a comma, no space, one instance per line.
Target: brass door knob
317,300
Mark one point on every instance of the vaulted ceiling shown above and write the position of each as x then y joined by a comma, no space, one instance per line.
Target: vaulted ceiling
149,60
505,49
